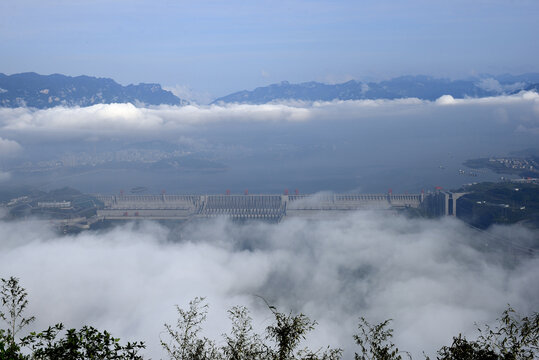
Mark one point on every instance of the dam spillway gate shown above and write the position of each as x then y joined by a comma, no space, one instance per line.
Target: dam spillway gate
264,207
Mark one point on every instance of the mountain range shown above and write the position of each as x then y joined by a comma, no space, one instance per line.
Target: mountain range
45,91
422,87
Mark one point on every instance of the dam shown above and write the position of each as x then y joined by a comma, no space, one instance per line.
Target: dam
259,206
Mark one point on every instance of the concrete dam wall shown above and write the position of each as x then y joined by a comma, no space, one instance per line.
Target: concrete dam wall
271,207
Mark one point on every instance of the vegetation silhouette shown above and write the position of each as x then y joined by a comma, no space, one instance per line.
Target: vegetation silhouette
513,338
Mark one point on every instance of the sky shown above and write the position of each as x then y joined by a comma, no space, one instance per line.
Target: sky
211,48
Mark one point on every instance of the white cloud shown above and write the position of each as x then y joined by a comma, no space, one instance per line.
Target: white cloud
514,87
116,118
526,97
445,100
127,119
9,147
425,274
101,117
490,84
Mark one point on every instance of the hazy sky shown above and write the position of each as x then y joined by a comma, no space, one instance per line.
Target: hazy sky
218,47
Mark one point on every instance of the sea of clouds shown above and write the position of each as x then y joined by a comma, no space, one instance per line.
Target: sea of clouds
521,109
400,144
434,278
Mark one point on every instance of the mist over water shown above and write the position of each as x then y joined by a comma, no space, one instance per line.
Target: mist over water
343,146
435,278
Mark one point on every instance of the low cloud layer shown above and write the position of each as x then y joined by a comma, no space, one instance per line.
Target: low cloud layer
491,84
368,145
8,147
128,119
433,277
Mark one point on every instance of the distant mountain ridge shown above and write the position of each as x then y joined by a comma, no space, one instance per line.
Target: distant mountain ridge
421,86
45,91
